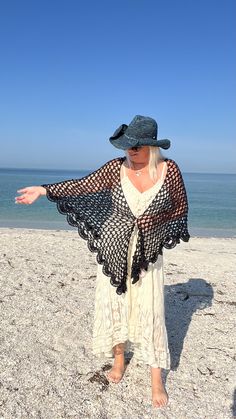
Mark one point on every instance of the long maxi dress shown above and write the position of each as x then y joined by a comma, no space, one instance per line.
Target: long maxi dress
137,317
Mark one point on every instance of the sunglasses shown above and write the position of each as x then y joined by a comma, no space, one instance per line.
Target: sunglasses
136,148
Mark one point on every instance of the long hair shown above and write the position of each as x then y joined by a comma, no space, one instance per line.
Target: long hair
155,156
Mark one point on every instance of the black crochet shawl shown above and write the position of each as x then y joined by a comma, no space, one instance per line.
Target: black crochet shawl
96,205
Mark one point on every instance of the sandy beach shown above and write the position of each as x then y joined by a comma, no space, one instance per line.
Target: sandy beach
47,369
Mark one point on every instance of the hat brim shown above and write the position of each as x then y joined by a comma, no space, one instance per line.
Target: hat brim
123,143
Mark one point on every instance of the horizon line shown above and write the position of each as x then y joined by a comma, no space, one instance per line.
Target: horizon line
89,170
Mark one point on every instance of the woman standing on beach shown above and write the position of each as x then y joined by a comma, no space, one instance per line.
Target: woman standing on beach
128,210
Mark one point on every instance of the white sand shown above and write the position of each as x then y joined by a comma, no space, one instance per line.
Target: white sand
47,369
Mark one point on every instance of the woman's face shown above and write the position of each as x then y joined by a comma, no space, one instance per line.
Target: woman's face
139,154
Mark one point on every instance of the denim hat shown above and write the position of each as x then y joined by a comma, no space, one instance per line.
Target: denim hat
142,130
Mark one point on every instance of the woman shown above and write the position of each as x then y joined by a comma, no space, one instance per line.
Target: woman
128,210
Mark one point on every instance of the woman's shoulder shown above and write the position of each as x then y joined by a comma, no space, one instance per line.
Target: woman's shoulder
171,162
175,169
115,162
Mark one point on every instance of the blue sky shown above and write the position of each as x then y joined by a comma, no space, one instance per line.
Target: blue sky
72,71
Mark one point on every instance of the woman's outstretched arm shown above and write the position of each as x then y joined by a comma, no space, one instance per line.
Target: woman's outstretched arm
96,181
92,183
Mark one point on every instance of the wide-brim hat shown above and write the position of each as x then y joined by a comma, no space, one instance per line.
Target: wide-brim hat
142,130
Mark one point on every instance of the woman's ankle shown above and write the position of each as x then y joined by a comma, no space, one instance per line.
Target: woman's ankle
118,349
156,370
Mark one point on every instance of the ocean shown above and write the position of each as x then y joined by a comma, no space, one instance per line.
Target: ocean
211,197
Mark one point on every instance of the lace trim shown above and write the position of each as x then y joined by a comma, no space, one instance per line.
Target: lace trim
102,347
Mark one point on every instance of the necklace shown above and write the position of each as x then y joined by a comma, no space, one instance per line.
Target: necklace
138,172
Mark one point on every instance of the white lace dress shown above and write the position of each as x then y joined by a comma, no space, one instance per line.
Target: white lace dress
136,318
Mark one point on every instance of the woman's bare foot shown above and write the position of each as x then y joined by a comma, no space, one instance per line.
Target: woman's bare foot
159,394
117,371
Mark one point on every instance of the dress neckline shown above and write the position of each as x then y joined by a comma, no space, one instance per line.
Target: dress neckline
161,180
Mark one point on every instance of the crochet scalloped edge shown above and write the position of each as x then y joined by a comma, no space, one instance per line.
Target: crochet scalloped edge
144,263
176,239
121,286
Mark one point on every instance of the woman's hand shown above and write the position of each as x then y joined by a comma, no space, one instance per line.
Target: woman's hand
30,194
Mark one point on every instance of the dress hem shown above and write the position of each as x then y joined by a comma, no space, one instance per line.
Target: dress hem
161,359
